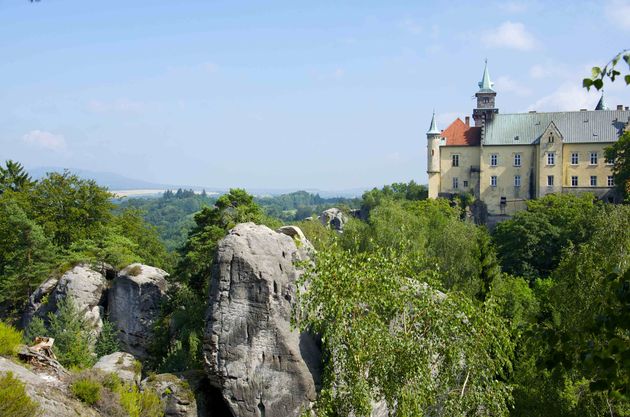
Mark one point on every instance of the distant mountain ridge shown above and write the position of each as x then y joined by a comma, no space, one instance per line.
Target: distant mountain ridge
117,182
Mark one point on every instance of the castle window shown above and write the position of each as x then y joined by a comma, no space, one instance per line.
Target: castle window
575,158
609,162
551,158
593,158
574,181
494,159
517,160
432,152
517,180
455,182
455,159
593,181
549,180
551,138
611,181
465,184
493,181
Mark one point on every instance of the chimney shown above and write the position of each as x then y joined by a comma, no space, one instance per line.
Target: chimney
532,111
619,106
583,110
627,108
467,120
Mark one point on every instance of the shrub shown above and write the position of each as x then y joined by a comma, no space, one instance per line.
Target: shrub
72,335
134,271
140,403
107,342
14,401
87,390
34,329
10,338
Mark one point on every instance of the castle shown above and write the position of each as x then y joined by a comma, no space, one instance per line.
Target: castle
506,159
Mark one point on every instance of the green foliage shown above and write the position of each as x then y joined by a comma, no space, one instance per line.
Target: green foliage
10,339
532,242
13,177
70,208
388,335
140,403
72,335
86,390
397,191
609,71
318,234
107,341
14,401
36,328
300,205
619,154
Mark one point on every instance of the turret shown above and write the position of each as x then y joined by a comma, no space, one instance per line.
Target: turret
485,99
601,104
433,158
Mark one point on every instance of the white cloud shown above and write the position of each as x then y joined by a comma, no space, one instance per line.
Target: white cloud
508,85
511,35
411,26
513,7
122,105
618,12
570,96
45,140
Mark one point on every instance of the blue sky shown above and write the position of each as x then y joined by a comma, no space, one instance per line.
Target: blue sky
281,94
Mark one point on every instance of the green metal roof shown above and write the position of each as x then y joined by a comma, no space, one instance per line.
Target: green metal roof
433,130
601,126
485,85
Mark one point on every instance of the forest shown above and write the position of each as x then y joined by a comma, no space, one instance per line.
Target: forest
537,311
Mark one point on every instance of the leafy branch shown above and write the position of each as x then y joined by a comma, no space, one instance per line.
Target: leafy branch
610,71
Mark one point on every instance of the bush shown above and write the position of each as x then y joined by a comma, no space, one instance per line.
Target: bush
72,335
36,328
87,390
107,342
10,338
14,401
140,403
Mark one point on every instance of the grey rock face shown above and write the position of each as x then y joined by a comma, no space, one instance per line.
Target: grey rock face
176,394
83,285
261,365
134,305
333,218
122,364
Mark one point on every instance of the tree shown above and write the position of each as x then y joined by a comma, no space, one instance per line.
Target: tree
14,177
72,334
387,335
70,208
619,154
610,71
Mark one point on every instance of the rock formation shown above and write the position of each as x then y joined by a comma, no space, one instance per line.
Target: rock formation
134,306
333,218
176,394
261,365
122,364
81,284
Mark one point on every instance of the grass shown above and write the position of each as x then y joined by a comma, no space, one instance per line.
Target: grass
14,401
87,390
10,339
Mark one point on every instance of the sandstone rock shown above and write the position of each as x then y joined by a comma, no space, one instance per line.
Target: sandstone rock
176,394
333,218
122,364
134,305
304,246
48,391
261,365
83,285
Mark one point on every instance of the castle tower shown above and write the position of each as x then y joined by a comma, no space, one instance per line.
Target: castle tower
433,158
485,99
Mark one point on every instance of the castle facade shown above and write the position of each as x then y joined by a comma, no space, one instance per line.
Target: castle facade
506,159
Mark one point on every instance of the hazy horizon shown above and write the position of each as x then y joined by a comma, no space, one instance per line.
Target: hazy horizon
281,95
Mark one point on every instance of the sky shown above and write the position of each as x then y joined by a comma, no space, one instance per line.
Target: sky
331,95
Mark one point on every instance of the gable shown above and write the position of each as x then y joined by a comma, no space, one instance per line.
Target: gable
459,133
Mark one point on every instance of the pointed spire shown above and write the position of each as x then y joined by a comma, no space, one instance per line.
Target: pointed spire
601,104
485,85
433,130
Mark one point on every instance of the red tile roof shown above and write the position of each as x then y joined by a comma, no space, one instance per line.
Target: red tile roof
460,134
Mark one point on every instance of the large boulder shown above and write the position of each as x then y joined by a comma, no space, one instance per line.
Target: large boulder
82,284
333,218
176,394
122,364
134,305
261,365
